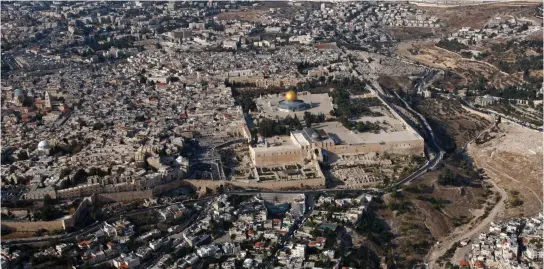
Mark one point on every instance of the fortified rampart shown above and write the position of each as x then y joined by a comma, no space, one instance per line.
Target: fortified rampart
65,223
272,185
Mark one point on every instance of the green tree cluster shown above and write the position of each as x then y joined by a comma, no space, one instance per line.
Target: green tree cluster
269,127
310,118
447,177
452,45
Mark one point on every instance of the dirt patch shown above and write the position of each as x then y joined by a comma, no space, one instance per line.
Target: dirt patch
450,80
425,212
477,16
513,159
410,33
395,82
470,70
254,15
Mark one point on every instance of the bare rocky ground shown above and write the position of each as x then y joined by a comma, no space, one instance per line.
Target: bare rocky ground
511,156
513,159
456,17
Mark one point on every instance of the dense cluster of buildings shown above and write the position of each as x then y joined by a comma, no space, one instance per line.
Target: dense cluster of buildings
120,123
242,233
513,244
495,28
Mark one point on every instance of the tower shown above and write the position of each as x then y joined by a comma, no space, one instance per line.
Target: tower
47,100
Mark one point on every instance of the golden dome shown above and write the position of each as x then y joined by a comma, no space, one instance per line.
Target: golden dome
291,96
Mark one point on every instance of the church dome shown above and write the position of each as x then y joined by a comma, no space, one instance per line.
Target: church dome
291,96
18,92
43,145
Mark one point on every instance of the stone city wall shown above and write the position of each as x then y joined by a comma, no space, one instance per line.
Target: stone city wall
60,224
126,196
32,226
87,202
403,147
174,184
273,185
274,156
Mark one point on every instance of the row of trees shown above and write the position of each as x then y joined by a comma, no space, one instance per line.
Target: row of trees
303,67
521,45
513,92
522,65
310,118
269,128
347,108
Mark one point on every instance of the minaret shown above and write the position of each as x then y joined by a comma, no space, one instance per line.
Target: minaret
47,100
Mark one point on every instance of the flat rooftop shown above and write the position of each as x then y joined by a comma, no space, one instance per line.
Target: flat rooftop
268,104
340,135
276,144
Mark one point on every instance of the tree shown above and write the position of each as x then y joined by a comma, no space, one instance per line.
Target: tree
447,177
22,155
98,126
47,200
308,119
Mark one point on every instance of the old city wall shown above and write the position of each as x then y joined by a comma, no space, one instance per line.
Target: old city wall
60,224
414,147
124,196
128,196
174,184
354,149
275,185
71,221
32,226
271,158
